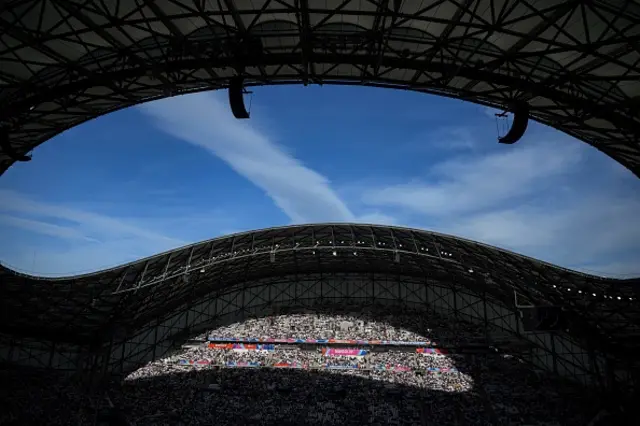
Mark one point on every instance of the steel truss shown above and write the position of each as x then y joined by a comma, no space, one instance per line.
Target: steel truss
575,63
112,321
556,353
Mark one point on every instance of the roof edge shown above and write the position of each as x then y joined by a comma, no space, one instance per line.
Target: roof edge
632,280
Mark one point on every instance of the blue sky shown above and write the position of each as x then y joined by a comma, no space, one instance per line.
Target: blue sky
181,170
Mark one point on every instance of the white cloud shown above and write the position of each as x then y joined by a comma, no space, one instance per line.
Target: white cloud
65,240
573,234
90,224
203,120
538,198
453,138
43,228
377,218
466,184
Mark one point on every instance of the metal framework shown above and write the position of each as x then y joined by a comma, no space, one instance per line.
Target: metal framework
575,62
116,320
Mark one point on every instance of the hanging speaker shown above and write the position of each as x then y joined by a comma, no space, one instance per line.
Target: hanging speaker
236,98
519,126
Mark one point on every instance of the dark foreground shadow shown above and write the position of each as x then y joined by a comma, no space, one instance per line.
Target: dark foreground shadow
298,397
503,393
503,390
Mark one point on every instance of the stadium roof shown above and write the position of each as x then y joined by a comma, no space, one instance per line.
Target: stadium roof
576,63
89,308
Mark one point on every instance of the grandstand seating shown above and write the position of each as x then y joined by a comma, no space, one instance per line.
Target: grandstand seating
383,384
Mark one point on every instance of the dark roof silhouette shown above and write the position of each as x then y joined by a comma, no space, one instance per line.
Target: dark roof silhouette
575,63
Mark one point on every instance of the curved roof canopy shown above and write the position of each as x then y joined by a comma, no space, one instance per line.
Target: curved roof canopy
130,296
575,62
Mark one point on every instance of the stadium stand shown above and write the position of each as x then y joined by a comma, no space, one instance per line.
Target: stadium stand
98,348
302,385
104,328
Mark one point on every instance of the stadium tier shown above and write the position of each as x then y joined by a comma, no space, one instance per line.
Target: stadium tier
116,320
288,384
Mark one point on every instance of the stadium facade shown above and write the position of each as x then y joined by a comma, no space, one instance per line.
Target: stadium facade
112,322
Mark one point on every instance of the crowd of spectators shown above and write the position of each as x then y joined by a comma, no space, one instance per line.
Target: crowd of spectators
488,389
42,398
381,323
